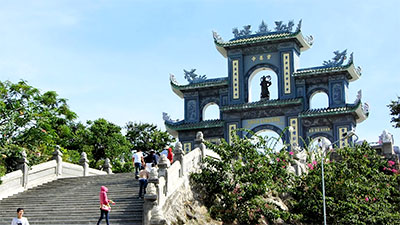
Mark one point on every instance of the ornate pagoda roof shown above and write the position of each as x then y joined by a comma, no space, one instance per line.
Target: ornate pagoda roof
261,104
179,89
281,33
352,72
360,110
182,125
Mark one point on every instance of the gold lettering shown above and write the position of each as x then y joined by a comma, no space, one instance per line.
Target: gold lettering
319,129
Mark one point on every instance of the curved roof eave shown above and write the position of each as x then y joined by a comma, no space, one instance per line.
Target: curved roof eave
172,132
355,75
303,42
349,68
360,114
305,45
207,124
176,90
221,50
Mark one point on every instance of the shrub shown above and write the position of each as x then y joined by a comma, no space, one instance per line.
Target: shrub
361,188
239,185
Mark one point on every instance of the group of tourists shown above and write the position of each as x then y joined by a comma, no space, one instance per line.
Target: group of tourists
142,164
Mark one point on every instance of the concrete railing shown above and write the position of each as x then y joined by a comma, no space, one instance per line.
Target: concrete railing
166,180
26,178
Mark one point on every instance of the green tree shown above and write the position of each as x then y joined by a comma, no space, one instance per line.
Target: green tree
239,184
395,112
146,136
361,188
105,140
31,120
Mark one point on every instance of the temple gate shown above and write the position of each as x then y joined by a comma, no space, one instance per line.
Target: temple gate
277,51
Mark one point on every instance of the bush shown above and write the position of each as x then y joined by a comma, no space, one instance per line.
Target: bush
239,185
361,188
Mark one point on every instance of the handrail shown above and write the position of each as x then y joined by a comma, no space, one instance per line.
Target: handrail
26,178
165,181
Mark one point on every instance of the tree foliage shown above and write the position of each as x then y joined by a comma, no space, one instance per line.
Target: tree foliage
239,186
36,122
29,118
30,121
360,188
395,112
145,136
106,141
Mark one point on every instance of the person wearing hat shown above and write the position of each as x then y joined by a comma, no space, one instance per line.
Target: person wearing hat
165,151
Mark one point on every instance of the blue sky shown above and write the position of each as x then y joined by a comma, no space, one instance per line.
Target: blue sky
112,59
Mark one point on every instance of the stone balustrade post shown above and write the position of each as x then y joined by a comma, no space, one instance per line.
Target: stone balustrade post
25,169
199,143
153,176
57,155
163,165
84,162
107,166
178,156
150,198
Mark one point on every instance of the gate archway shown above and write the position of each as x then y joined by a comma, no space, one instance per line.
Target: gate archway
252,81
274,134
323,138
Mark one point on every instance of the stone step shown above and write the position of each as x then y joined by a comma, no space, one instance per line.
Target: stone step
113,221
75,201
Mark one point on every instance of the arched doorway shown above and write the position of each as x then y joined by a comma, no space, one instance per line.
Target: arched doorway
273,137
254,88
317,143
319,100
211,111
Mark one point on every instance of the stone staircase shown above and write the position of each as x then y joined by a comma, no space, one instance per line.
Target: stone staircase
76,201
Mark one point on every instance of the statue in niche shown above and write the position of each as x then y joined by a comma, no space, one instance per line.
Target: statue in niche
265,83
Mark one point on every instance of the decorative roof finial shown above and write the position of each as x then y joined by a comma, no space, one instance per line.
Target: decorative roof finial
263,28
280,27
245,32
193,77
167,118
359,96
172,78
235,32
365,108
359,70
351,58
309,39
337,60
298,28
217,37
